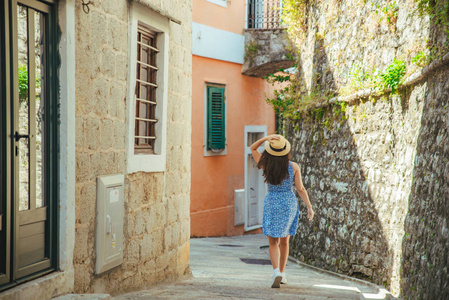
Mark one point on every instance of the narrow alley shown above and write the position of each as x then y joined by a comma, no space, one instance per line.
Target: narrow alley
239,268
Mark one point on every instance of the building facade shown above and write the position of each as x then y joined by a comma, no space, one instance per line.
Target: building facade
95,145
229,112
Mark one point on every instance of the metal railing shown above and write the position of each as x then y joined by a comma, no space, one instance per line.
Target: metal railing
264,14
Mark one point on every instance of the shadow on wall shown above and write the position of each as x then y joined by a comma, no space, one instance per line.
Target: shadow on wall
346,235
425,247
382,213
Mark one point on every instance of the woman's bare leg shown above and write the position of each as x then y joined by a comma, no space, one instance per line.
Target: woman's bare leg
274,251
284,247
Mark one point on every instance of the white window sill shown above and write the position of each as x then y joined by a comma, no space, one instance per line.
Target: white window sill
146,163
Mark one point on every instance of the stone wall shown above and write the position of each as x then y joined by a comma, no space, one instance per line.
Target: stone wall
156,223
376,172
377,176
266,52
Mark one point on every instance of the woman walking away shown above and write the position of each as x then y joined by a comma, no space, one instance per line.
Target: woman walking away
280,209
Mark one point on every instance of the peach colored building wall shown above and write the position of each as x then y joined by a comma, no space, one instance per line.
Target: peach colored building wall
214,178
230,18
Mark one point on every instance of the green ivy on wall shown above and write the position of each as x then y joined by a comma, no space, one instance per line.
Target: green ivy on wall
393,75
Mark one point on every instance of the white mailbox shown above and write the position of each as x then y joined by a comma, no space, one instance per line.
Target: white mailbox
109,222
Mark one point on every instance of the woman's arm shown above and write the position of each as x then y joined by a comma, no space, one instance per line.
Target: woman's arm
302,190
256,154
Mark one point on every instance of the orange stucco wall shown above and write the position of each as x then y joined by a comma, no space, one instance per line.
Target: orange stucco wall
230,18
214,178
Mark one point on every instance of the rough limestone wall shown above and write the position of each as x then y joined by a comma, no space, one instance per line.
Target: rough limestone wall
358,174
156,225
368,170
425,259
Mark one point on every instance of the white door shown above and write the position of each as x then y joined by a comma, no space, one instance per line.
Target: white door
255,189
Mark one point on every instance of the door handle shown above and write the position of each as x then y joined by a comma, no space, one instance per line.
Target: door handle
18,136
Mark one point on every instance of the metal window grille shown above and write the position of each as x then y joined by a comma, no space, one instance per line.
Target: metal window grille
264,14
145,131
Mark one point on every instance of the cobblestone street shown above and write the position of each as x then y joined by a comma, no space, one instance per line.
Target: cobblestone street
238,268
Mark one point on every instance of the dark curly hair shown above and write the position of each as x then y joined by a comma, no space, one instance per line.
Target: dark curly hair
275,168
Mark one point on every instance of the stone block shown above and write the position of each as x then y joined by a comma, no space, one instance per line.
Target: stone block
132,254
176,235
83,277
120,159
100,97
185,180
117,8
142,218
172,212
99,27
162,261
96,166
107,134
183,260
158,216
119,135
107,67
86,204
185,230
110,165
81,244
135,194
79,133
130,229
118,35
146,248
173,186
117,99
157,243
168,238
82,167
121,67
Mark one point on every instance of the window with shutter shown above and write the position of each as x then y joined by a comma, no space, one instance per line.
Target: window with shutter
216,137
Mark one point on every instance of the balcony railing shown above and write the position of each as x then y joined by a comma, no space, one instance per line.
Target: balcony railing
264,14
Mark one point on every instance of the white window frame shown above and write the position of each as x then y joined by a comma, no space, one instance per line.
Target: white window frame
223,3
225,150
156,162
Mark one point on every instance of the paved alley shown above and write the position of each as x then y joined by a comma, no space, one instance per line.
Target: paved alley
239,268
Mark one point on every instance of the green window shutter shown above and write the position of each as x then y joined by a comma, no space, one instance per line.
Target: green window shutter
215,118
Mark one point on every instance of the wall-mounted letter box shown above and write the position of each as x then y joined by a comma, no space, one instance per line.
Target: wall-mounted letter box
109,222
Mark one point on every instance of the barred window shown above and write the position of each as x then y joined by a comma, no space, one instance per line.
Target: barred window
145,131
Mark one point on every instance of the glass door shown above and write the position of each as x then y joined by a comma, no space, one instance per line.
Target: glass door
30,135
4,150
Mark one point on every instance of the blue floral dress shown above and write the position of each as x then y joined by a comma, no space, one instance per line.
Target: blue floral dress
280,208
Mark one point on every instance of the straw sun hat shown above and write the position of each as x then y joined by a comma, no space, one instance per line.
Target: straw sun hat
279,147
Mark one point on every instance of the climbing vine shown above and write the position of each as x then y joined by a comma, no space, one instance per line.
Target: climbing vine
294,17
437,10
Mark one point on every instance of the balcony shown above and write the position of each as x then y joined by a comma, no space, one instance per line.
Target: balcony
266,41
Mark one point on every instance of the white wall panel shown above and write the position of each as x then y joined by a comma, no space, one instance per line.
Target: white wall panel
217,44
